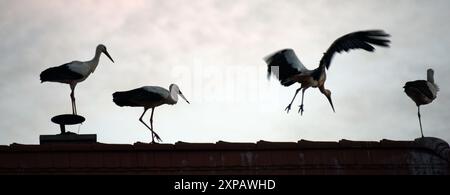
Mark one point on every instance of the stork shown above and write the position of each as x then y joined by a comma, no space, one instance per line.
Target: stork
422,92
288,69
149,97
74,72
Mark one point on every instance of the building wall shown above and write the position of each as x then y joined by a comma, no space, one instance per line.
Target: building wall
422,156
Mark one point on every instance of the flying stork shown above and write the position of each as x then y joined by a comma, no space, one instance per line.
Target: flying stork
149,97
288,69
422,92
74,72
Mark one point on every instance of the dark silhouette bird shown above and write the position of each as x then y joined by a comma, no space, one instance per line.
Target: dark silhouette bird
149,97
74,72
422,92
288,69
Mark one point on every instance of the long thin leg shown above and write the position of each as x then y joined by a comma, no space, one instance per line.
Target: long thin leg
72,97
151,125
301,106
151,129
420,121
140,119
288,108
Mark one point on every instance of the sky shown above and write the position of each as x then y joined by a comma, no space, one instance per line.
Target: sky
214,50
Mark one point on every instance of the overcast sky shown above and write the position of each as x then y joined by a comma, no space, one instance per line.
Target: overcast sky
213,50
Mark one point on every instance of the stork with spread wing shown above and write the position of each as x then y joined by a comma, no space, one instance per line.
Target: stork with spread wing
288,69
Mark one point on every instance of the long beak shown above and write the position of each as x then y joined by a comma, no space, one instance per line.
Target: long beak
107,54
182,96
331,102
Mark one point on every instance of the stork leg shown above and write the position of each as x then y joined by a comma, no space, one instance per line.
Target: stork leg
420,121
288,108
151,125
301,106
140,119
72,97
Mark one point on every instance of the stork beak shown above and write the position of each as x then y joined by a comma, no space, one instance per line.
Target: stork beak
182,96
331,102
107,54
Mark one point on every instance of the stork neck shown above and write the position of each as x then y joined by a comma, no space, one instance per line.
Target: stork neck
430,76
94,62
173,97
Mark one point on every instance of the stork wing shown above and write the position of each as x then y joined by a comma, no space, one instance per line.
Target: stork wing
422,87
284,64
59,74
357,40
141,96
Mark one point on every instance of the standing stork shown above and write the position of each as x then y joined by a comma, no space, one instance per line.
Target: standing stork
422,92
74,72
149,97
288,69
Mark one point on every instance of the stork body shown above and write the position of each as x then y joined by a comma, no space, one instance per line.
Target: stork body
288,68
422,92
149,97
74,72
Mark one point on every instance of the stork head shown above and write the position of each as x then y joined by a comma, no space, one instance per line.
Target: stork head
175,91
102,48
327,93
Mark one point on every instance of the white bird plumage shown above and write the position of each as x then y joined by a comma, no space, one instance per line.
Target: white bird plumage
422,92
149,97
74,72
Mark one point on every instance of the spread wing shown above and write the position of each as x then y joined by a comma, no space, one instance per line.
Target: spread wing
284,64
356,40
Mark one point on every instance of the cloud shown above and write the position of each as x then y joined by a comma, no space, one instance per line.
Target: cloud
214,50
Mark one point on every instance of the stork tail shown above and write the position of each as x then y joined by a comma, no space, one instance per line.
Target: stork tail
49,75
121,99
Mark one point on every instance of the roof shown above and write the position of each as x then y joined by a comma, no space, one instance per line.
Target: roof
425,155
